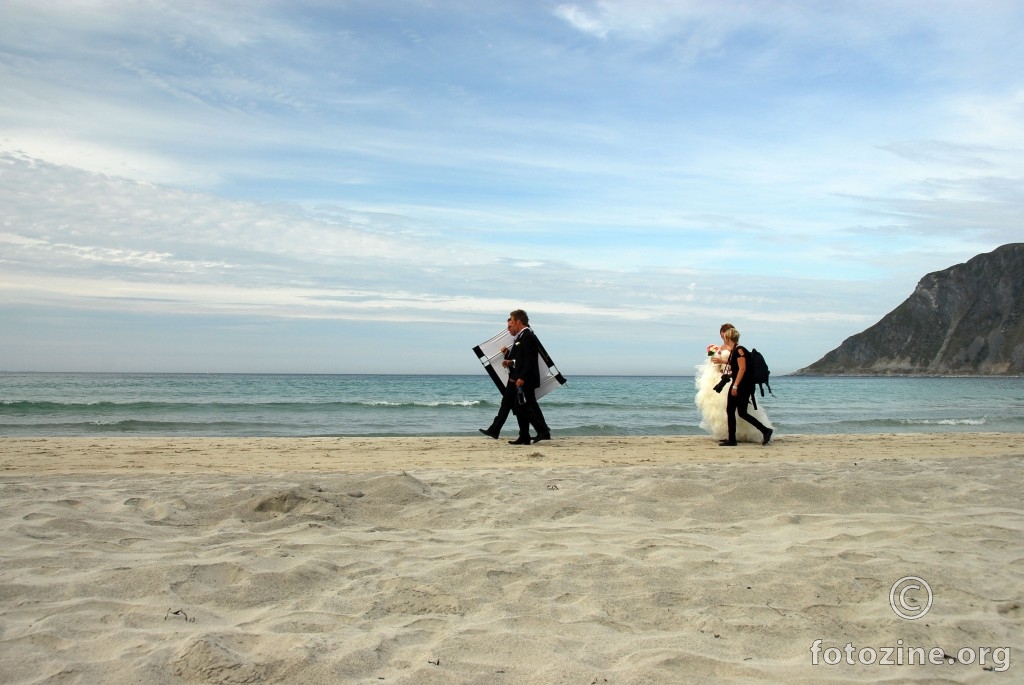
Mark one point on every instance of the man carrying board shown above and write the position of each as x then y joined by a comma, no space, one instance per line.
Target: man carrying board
520,395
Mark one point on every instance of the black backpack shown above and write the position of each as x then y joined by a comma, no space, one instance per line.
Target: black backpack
758,373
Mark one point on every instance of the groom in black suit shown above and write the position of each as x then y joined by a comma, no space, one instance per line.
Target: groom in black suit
523,381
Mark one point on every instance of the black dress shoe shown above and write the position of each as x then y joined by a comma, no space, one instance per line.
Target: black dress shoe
767,436
488,433
542,436
519,441
726,443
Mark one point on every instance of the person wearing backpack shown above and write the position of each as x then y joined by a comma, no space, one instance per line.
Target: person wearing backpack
741,392
710,379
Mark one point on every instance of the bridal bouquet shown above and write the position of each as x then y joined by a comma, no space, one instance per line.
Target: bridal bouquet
713,350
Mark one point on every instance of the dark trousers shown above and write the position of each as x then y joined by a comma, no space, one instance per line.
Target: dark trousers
508,401
738,404
529,413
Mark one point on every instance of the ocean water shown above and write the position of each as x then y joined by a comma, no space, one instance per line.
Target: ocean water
85,404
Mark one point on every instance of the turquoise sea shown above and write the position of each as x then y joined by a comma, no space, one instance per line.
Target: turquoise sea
87,404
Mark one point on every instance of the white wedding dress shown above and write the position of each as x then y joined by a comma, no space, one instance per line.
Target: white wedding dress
712,406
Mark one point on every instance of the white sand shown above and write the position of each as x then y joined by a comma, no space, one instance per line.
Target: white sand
466,560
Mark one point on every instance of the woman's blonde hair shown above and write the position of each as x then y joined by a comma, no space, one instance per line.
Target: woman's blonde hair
732,335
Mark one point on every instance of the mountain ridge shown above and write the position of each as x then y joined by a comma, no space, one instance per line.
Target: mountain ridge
965,320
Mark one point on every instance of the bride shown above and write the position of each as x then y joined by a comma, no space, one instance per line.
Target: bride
712,404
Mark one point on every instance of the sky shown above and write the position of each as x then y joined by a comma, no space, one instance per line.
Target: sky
370,186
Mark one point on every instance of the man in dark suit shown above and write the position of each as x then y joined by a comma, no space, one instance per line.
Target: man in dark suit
523,380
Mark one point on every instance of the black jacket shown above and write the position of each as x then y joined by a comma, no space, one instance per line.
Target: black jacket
524,353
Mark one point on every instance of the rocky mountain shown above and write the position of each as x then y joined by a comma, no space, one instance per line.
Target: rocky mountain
964,320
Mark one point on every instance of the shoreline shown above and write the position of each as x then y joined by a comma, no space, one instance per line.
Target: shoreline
246,455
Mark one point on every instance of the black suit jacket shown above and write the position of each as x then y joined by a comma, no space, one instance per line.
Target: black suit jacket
524,353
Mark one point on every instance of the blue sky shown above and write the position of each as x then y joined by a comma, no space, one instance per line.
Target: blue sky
370,186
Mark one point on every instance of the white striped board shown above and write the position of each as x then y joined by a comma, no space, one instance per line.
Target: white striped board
490,356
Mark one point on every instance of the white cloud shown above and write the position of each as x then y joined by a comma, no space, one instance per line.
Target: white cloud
655,20
582,20
105,159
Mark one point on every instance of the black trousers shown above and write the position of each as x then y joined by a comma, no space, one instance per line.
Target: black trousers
508,401
739,404
528,413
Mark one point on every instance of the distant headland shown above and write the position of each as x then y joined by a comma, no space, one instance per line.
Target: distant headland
962,321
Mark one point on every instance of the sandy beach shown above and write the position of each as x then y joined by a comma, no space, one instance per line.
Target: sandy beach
465,560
